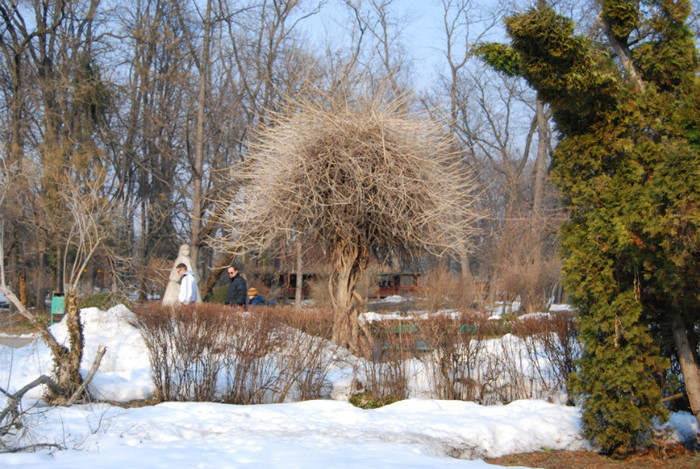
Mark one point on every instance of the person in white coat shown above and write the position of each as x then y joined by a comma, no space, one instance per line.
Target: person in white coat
172,290
188,285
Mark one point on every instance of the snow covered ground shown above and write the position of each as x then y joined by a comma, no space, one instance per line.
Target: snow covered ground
415,433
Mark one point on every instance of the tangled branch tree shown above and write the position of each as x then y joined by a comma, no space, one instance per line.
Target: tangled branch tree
356,178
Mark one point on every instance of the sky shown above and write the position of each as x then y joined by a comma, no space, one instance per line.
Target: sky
421,33
325,433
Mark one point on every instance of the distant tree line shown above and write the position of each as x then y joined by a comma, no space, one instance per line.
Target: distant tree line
154,104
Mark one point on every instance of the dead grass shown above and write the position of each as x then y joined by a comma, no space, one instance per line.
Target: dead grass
675,456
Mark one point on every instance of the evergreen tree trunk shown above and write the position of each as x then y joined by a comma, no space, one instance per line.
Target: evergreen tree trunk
689,364
541,161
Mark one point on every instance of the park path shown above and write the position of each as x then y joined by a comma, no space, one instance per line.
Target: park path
15,341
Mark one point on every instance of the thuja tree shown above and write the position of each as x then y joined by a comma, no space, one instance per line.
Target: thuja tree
626,108
355,178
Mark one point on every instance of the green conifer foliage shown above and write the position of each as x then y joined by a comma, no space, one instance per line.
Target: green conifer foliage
628,167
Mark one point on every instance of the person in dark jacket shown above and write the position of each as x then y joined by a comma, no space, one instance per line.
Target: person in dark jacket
254,298
237,292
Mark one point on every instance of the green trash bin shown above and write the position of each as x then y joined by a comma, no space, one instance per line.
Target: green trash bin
57,302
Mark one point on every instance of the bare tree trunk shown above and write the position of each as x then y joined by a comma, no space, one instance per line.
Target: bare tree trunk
41,286
67,360
345,319
208,285
198,174
689,364
300,278
143,245
69,384
348,269
58,273
464,264
23,289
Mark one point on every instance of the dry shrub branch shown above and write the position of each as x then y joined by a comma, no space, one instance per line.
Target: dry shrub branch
553,340
457,344
250,375
388,348
443,288
466,356
209,352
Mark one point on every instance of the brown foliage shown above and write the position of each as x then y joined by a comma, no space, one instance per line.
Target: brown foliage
183,349
317,322
526,262
665,457
443,288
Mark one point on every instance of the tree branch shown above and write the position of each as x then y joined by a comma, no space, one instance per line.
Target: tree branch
622,51
95,365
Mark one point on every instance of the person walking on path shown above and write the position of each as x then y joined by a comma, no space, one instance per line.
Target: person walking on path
188,285
237,292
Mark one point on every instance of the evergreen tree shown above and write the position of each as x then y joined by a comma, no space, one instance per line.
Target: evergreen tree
627,112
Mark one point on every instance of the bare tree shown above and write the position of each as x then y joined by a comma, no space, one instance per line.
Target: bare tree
465,25
87,230
381,32
356,178
159,88
243,54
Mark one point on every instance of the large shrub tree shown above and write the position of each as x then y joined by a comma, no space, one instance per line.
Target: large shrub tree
355,178
626,108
